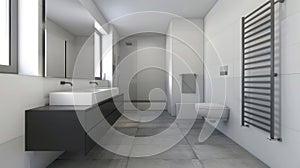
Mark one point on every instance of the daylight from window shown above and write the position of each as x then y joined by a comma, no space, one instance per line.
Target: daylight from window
4,32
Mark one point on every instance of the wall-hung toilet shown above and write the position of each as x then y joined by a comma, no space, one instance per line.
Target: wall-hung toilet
212,111
208,111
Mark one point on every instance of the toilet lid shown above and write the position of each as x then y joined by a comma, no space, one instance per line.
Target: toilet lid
211,106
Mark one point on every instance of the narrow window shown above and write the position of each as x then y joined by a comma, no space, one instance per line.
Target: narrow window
4,32
98,56
8,36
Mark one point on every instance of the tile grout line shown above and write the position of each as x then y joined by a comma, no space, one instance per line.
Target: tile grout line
194,152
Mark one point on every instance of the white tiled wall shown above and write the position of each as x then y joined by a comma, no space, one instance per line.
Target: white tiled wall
223,47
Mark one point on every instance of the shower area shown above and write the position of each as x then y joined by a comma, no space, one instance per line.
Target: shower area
141,71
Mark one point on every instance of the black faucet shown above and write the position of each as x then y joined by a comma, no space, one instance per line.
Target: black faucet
65,83
92,82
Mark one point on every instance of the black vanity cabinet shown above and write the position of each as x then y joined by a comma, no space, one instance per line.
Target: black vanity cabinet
67,128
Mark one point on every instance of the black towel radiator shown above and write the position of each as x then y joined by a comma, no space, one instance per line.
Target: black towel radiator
258,68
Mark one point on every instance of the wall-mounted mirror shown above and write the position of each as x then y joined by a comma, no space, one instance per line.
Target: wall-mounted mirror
72,46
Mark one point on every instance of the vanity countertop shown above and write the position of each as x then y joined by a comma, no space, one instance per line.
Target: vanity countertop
61,108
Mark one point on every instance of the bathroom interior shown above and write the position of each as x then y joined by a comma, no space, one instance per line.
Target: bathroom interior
149,84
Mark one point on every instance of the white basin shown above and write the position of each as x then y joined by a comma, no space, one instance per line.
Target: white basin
86,97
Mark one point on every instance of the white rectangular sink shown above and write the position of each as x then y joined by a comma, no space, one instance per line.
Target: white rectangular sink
86,97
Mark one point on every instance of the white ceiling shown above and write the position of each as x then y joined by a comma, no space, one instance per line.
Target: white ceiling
70,15
133,16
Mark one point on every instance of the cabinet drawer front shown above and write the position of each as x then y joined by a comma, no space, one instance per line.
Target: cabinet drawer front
93,117
53,131
118,101
99,131
89,144
120,109
113,117
107,108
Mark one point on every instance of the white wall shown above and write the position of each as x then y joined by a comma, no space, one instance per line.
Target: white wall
84,57
151,53
184,55
127,66
169,68
145,61
223,47
97,14
81,53
56,37
20,93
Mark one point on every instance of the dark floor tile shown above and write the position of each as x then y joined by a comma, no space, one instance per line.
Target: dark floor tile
216,152
127,131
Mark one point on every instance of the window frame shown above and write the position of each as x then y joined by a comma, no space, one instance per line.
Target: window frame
13,39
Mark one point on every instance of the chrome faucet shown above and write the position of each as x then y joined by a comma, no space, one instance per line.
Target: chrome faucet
66,83
92,82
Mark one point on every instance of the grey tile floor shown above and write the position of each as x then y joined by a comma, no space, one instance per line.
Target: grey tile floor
217,152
